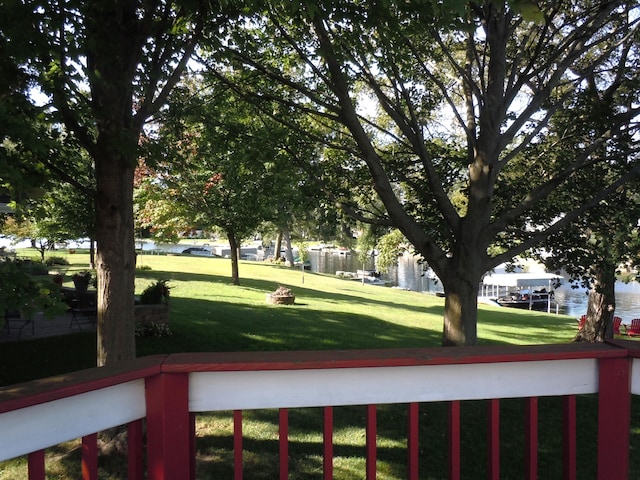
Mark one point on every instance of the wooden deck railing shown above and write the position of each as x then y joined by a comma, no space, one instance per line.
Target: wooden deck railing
167,392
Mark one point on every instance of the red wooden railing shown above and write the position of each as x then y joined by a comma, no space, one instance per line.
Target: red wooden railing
167,392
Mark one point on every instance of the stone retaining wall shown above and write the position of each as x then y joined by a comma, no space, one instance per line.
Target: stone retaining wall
148,314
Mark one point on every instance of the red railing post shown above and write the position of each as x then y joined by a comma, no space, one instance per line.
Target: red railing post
371,442
283,428
134,450
35,462
90,457
168,426
413,433
237,444
192,444
614,417
531,439
327,441
493,439
454,440
569,437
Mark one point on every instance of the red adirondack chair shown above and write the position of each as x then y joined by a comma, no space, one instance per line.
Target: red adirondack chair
617,324
581,321
633,330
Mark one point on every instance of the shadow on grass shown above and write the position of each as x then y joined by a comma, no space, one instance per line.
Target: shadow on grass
525,327
349,292
260,444
202,325
261,447
261,459
214,325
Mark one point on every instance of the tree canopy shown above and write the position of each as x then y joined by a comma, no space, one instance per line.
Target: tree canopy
398,81
594,248
222,163
105,67
425,108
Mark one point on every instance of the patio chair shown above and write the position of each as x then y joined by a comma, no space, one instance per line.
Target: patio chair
581,321
633,330
15,316
617,325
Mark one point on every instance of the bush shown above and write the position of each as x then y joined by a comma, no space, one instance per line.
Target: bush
31,267
51,261
155,293
152,329
25,290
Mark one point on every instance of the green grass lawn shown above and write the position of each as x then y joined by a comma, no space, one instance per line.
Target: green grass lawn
210,314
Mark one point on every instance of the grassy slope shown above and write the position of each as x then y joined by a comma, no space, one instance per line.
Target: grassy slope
209,314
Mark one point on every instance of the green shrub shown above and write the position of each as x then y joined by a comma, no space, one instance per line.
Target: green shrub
157,292
26,292
32,268
51,261
152,329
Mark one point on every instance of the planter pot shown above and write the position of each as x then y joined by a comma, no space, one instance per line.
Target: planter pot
81,286
152,314
280,299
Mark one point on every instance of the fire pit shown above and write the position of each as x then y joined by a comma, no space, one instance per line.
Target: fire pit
282,296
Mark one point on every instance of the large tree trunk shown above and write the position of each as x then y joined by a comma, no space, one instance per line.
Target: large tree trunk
461,273
600,309
278,247
460,315
461,283
115,260
112,63
235,248
288,250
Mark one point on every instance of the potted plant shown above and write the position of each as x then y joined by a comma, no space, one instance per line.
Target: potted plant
81,281
156,293
152,312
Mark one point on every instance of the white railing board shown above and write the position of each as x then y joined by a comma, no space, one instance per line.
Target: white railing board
209,391
40,426
635,376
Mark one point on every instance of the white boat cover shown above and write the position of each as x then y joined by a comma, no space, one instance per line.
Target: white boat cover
521,279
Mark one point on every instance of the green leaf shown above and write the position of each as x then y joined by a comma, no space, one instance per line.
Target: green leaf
528,9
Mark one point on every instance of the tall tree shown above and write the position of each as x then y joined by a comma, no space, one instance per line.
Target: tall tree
480,76
593,251
106,67
63,209
594,248
225,164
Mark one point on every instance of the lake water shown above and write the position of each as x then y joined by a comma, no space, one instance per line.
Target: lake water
408,274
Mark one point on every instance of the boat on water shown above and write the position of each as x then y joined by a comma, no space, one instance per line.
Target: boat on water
533,291
531,300
368,277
